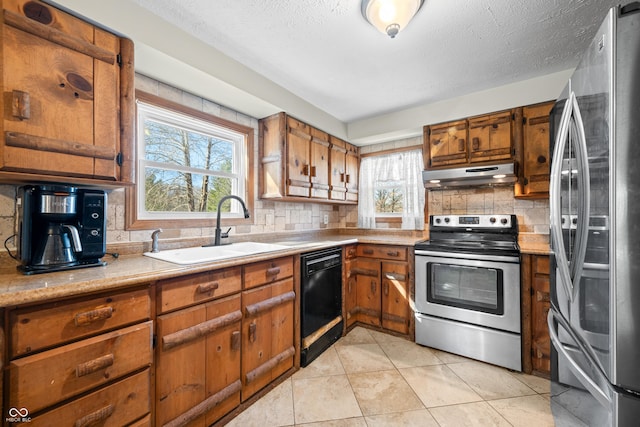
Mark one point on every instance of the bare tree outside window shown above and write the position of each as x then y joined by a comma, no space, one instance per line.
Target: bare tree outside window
389,200
187,165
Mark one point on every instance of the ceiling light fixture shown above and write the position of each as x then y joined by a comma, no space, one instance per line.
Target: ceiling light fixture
390,16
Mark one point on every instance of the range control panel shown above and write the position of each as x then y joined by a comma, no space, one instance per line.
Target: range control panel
472,221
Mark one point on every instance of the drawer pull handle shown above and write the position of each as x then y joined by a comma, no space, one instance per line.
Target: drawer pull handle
95,417
393,253
396,276
374,285
273,271
88,317
206,405
195,332
268,304
204,288
268,366
367,251
386,288
94,365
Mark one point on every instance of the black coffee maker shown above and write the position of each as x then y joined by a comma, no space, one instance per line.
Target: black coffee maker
60,228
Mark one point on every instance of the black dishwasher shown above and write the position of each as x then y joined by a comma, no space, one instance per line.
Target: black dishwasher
320,302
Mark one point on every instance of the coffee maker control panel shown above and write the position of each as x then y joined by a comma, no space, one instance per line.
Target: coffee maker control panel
93,223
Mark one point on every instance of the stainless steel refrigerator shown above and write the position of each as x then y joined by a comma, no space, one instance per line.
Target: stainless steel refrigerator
594,320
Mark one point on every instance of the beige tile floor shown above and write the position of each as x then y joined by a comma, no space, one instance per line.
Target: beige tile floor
372,379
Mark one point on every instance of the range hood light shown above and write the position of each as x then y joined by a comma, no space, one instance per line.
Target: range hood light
435,181
500,176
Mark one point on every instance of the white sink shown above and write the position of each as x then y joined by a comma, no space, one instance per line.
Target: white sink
199,254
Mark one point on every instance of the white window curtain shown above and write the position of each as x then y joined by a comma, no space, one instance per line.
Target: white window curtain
404,170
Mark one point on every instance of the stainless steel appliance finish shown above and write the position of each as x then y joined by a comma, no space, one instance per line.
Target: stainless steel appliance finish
320,302
494,174
468,288
594,321
60,227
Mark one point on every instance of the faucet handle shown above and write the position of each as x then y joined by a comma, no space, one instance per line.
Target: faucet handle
225,234
154,240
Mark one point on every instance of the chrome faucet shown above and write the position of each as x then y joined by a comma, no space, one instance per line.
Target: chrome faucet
219,233
154,240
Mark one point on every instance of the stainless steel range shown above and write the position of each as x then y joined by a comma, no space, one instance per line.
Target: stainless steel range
468,288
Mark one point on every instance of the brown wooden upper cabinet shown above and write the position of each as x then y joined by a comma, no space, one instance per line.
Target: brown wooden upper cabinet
301,162
533,149
485,138
68,107
447,144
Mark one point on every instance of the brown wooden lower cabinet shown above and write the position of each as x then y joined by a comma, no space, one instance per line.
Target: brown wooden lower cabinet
378,287
536,304
198,363
267,334
81,361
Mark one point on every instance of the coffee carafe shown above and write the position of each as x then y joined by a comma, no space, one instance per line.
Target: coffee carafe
60,228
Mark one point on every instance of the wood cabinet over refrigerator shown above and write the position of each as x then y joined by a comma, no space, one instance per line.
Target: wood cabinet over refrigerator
301,163
68,107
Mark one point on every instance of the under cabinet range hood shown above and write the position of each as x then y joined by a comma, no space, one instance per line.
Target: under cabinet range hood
471,176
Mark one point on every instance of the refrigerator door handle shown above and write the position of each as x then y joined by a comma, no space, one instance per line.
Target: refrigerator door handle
582,230
554,200
554,320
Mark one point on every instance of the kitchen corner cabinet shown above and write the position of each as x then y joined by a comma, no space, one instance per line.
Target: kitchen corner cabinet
82,361
300,163
533,152
378,288
536,304
69,105
479,139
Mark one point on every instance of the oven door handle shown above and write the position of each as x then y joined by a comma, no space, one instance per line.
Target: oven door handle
458,255
554,321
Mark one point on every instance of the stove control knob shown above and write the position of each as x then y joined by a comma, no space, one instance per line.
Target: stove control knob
447,220
504,221
438,220
492,220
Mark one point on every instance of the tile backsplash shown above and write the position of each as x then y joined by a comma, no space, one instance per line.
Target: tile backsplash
533,215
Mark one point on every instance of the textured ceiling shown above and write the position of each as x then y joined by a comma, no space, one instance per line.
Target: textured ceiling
327,54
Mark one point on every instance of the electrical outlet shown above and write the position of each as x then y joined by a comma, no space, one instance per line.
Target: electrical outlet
325,220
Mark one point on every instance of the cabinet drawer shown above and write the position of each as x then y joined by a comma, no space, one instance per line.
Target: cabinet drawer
37,328
42,379
188,290
383,252
116,405
261,273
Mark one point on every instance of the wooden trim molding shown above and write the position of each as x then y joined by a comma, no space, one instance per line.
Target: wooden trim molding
132,222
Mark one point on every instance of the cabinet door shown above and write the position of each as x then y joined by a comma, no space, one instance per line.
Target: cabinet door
447,143
395,297
198,362
368,291
337,166
67,93
267,334
490,137
540,304
352,164
298,158
536,164
319,164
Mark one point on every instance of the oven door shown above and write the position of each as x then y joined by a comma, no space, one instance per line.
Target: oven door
469,288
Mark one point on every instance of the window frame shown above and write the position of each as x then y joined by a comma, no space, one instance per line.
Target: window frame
135,222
